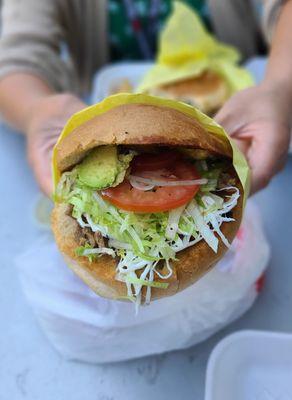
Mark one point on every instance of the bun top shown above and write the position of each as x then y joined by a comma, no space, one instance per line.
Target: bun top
138,124
204,84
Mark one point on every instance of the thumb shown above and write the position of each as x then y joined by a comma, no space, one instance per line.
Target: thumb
243,144
40,155
265,158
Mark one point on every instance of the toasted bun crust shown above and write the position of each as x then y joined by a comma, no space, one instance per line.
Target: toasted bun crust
100,274
208,91
137,124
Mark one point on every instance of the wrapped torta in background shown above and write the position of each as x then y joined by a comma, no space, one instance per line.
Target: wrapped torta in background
192,66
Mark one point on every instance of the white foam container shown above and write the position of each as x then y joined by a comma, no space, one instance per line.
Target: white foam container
251,365
113,75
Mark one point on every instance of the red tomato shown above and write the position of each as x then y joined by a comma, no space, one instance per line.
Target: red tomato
164,198
153,162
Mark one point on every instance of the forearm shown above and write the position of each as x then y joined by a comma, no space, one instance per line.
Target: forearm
279,68
19,94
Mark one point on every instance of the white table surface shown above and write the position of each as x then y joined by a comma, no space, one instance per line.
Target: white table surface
31,369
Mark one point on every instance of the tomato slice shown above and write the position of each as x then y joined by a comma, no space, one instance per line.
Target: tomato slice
153,162
164,198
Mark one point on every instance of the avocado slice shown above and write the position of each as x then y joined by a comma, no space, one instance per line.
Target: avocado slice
100,168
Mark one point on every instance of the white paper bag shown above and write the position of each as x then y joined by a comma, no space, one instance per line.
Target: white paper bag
86,327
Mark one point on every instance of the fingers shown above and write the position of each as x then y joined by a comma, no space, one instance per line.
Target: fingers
264,143
222,116
243,144
45,128
224,119
39,156
235,129
266,156
260,127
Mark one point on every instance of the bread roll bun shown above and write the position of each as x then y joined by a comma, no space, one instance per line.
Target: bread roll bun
138,125
208,91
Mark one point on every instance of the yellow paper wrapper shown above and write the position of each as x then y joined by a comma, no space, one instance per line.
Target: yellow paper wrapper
239,161
186,50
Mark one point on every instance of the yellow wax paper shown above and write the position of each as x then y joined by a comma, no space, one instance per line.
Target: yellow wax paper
186,50
239,161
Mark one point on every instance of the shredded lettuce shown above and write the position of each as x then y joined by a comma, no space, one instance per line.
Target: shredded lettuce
143,282
211,173
141,241
129,298
201,225
79,251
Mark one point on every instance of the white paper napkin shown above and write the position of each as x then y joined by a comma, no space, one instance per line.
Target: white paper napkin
86,327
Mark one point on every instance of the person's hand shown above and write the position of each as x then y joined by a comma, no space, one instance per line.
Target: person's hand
47,121
258,119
